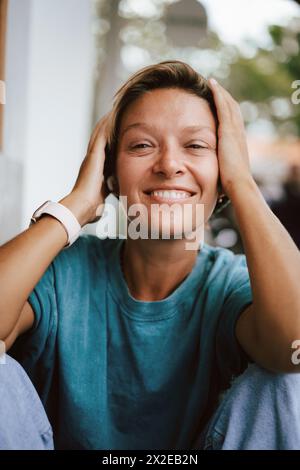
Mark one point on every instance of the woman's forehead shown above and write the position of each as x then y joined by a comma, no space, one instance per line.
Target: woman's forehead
178,106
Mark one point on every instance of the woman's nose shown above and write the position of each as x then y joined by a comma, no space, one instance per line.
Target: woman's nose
169,163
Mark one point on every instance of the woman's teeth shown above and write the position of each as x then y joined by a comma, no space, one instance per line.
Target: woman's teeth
171,194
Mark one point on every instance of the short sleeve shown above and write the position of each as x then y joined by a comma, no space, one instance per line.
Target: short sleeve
30,347
231,358
54,298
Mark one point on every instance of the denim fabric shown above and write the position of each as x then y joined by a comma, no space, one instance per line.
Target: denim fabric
260,411
23,421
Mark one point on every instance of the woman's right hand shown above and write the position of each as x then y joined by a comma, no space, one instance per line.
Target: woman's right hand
89,189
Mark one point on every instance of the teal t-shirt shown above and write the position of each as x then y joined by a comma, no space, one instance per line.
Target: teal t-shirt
114,372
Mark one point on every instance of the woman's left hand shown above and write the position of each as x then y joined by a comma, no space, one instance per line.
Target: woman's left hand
233,155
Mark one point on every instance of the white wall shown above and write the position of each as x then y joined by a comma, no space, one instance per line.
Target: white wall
15,119
49,93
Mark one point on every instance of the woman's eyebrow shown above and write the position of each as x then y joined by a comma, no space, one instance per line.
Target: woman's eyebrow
137,124
198,128
209,136
192,129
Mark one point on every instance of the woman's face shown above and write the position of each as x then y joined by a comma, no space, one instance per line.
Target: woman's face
167,155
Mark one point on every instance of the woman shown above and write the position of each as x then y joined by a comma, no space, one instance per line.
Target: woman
130,342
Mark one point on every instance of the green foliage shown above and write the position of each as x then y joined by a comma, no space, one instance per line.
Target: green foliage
269,74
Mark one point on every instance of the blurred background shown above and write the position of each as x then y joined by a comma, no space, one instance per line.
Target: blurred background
61,61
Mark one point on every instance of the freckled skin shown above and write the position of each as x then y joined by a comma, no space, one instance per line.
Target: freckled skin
166,152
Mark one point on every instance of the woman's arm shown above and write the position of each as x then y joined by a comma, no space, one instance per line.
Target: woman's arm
25,258
267,328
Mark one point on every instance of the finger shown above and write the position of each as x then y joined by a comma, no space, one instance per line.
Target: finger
234,106
96,148
97,130
94,135
221,102
226,105
98,141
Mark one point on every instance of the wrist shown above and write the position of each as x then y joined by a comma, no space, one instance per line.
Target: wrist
79,207
240,186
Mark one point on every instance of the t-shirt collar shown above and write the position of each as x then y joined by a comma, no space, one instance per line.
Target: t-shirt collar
149,310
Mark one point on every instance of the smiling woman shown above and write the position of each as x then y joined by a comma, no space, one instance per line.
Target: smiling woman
131,342
181,139
166,160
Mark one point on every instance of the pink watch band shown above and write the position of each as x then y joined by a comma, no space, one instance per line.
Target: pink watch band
64,215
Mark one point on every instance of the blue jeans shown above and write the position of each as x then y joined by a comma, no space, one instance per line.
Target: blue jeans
23,421
261,410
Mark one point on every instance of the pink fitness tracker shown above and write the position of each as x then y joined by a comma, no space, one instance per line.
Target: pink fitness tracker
64,215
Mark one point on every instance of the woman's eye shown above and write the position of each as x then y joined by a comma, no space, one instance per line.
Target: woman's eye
140,146
197,146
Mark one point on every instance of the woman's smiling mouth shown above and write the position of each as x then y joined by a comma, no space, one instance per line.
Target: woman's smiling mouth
169,195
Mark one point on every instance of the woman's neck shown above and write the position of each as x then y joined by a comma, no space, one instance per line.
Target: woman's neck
153,269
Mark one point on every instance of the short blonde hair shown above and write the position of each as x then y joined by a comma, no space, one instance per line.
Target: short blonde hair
167,74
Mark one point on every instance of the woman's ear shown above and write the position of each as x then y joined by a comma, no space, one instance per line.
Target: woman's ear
109,183
222,200
112,184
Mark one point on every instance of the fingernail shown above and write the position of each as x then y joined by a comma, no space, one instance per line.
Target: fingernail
213,81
